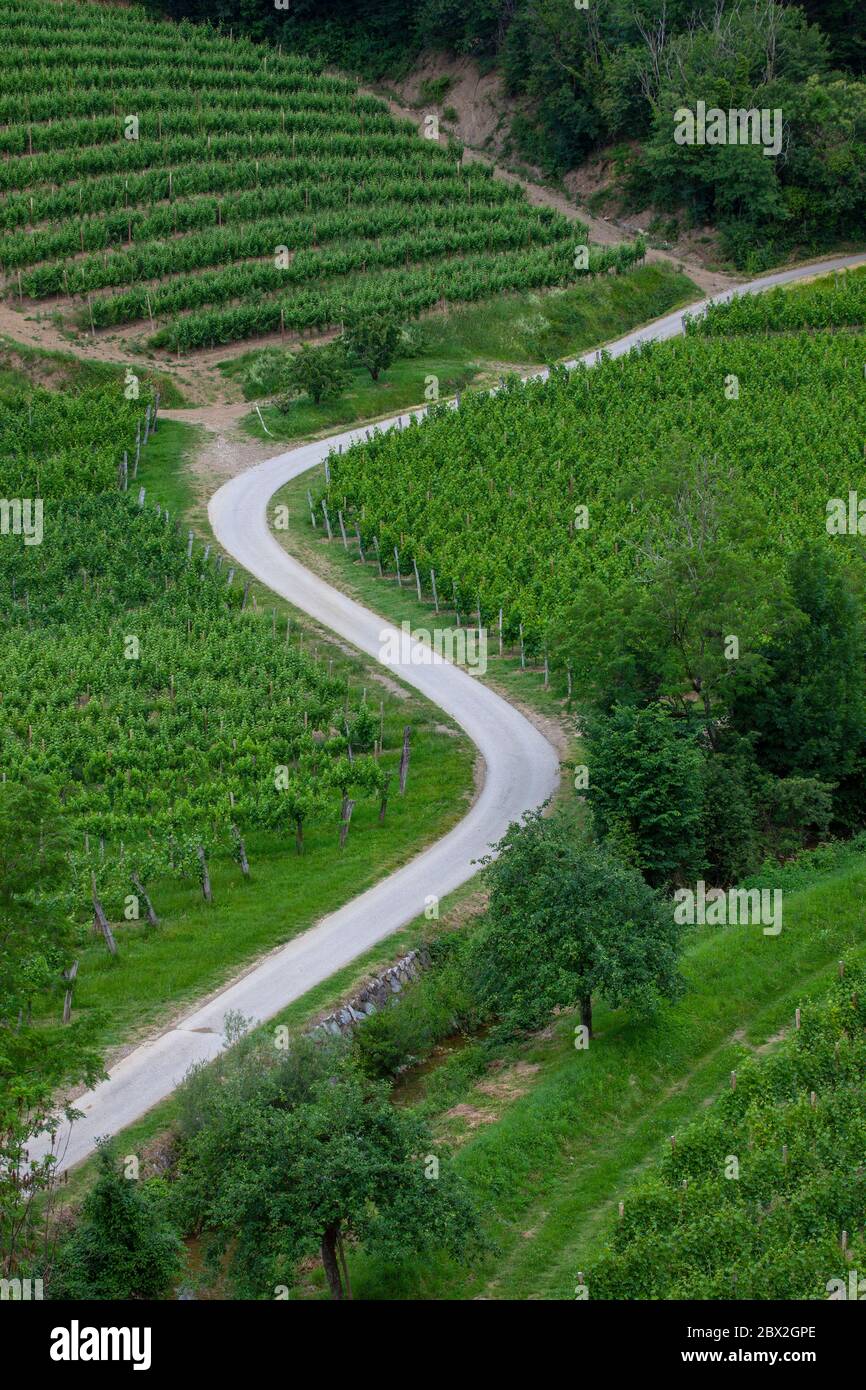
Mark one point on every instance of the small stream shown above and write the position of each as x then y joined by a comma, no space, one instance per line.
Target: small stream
410,1085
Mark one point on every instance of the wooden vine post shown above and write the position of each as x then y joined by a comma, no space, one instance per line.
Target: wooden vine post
205,876
100,919
404,759
152,919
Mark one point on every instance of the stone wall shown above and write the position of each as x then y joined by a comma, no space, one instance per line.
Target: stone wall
377,994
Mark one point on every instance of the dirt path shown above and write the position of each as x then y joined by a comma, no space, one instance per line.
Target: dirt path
601,231
225,450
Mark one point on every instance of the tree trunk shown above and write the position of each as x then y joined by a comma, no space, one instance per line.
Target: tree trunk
330,1262
345,818
586,1013
242,854
100,919
383,801
69,976
299,834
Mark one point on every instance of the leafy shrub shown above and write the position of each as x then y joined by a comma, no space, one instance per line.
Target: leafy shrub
124,1244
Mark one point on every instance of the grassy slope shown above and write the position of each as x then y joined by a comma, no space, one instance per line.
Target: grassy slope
551,1168
475,344
22,366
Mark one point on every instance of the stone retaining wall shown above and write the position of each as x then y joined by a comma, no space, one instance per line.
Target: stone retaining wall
376,995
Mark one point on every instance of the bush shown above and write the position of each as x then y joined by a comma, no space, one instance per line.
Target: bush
124,1245
265,373
318,372
435,1006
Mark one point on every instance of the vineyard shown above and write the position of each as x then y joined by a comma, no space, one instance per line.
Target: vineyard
490,497
58,445
274,197
123,684
171,716
837,301
762,1197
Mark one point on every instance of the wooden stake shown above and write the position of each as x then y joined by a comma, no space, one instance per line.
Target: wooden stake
101,921
137,884
205,876
404,759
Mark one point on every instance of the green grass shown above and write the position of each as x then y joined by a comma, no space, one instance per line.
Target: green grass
22,366
163,470
549,1172
474,344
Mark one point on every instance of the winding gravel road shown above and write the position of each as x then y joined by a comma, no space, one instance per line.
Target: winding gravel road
521,772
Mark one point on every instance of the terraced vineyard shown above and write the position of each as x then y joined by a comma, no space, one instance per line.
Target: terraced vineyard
274,197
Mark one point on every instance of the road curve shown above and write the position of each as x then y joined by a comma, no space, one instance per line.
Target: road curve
521,772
